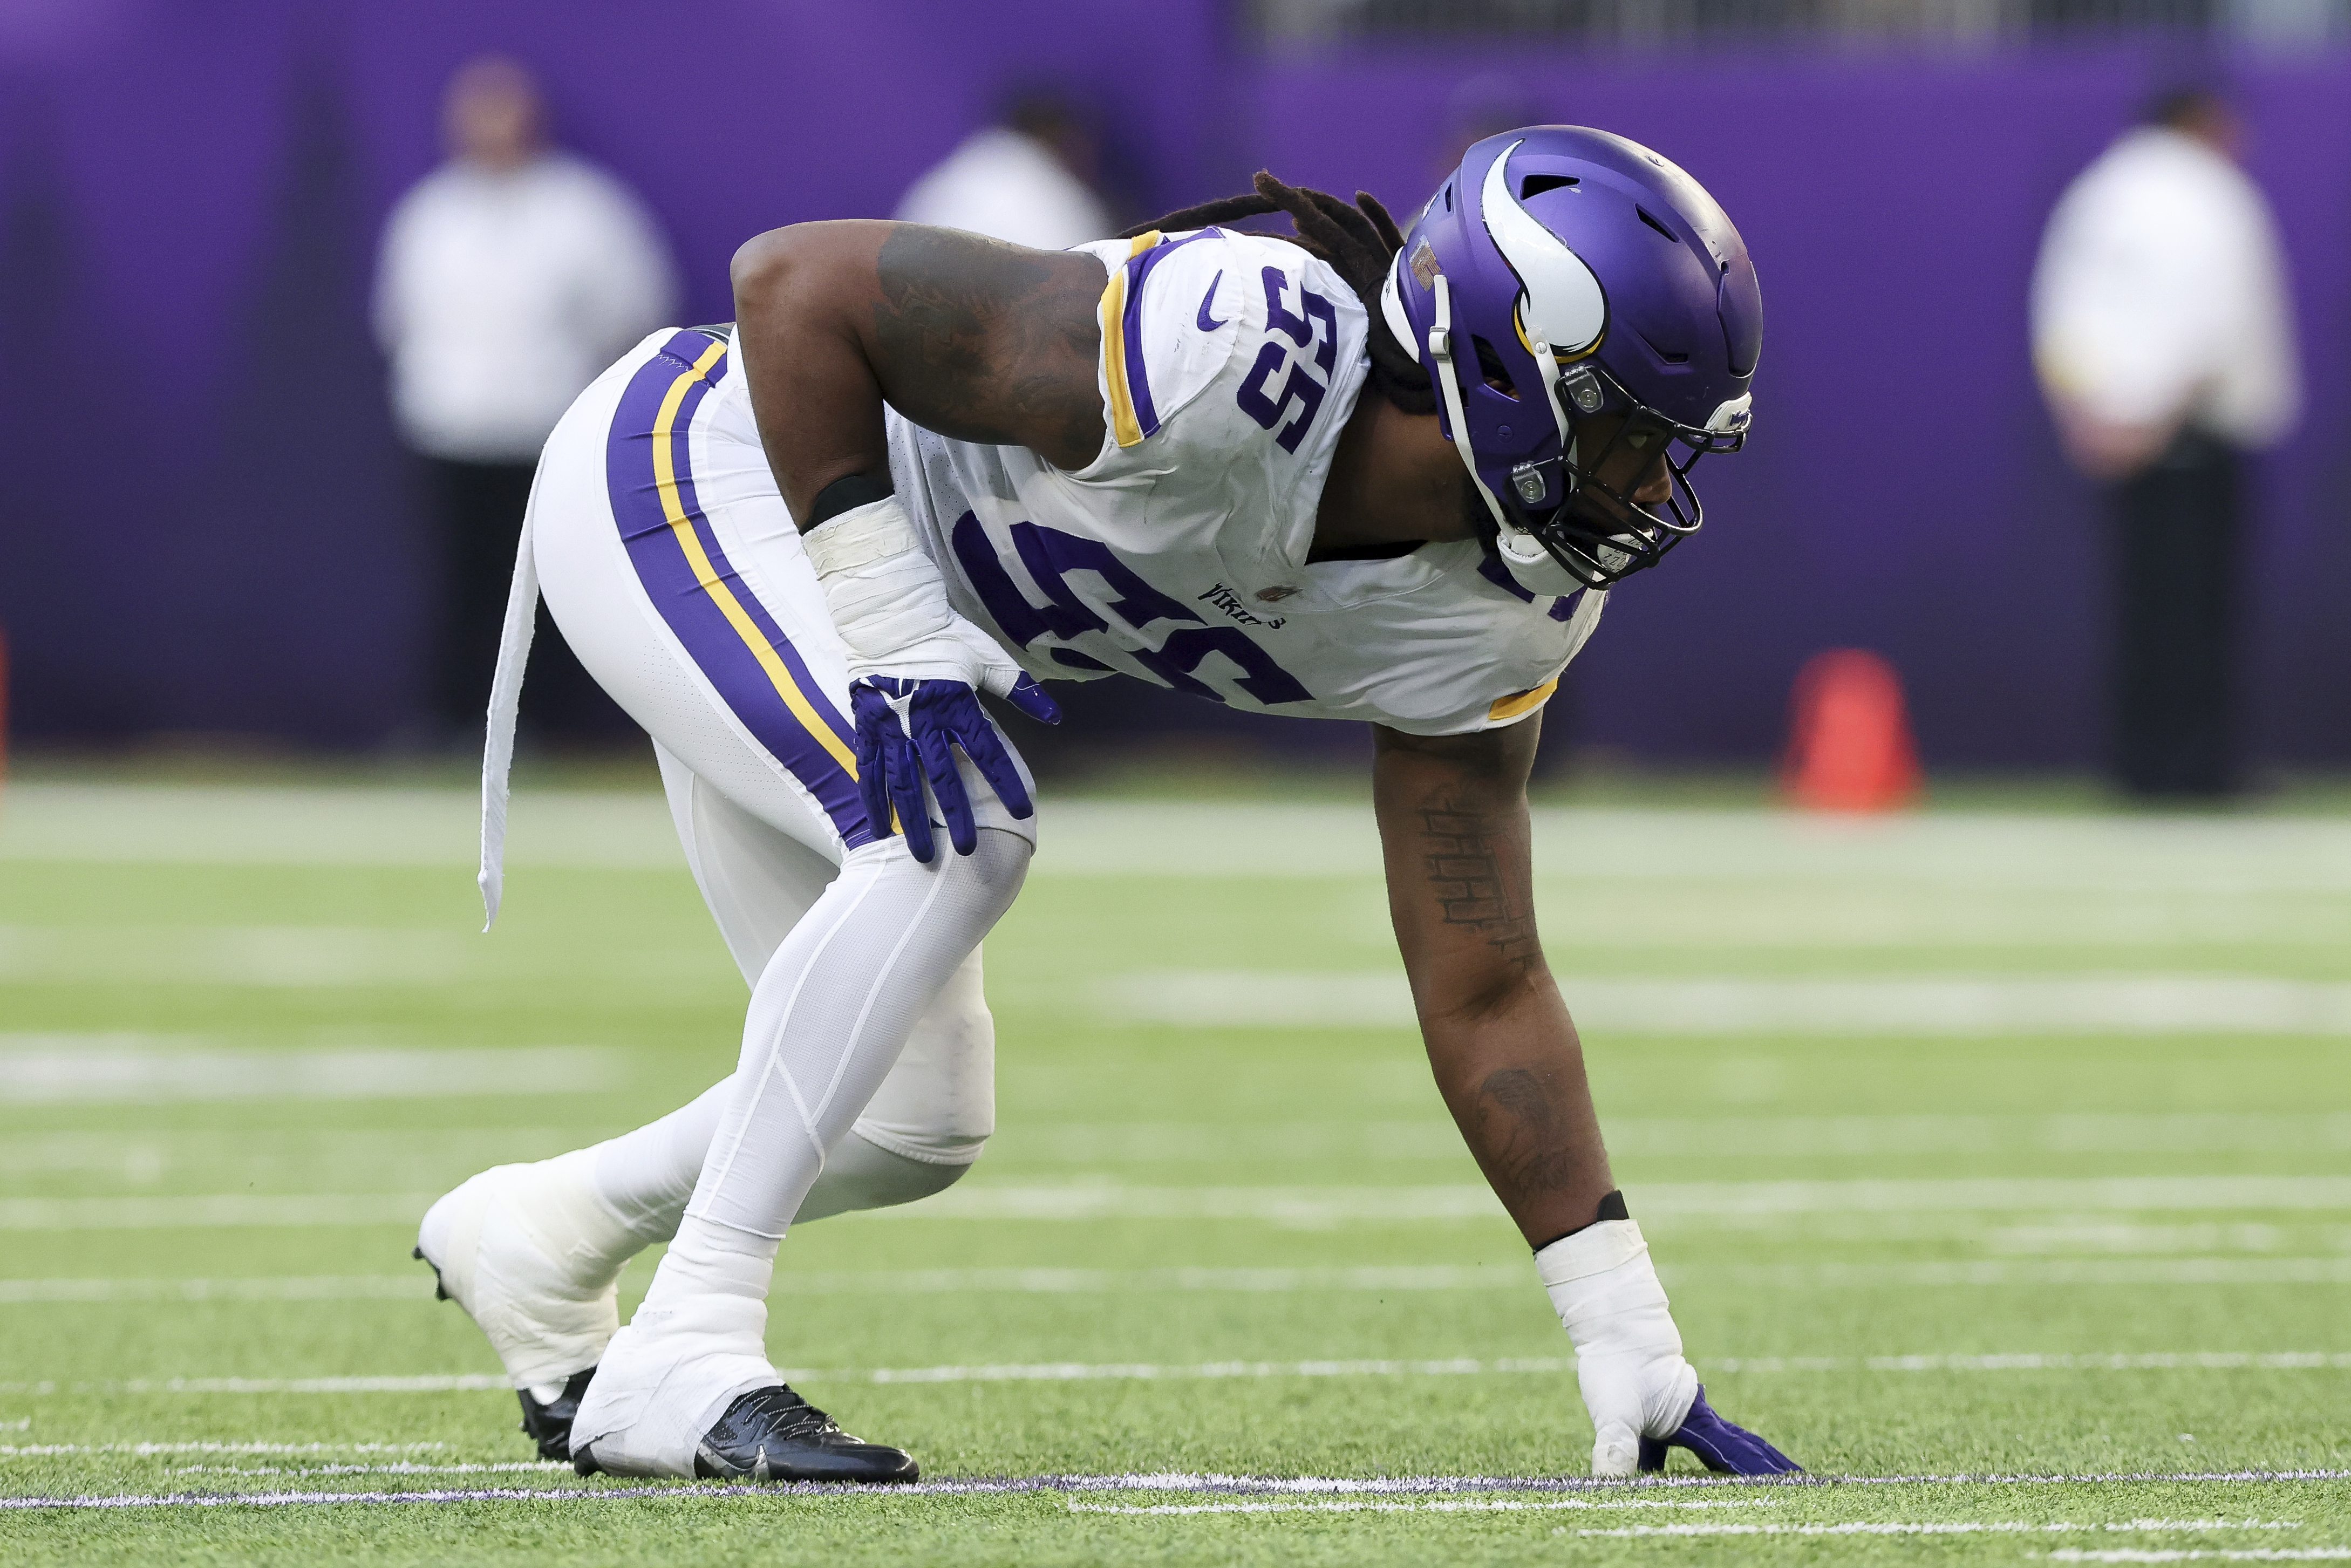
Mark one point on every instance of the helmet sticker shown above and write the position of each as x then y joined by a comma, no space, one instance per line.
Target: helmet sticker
1561,300
1424,265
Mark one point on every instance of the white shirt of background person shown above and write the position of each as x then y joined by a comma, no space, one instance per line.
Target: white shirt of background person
2160,298
1024,182
510,277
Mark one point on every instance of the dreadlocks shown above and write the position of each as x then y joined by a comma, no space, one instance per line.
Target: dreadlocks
1360,242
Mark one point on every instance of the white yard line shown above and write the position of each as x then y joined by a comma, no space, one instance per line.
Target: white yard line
1787,1136
271,957
428,1383
1263,838
1309,1207
400,1468
59,1070
329,825
1170,1371
145,1154
1940,1527
2086,1271
1325,1206
2201,1554
2227,1005
1953,1527
1447,1505
151,1449
1513,1276
226,1210
287,1288
373,825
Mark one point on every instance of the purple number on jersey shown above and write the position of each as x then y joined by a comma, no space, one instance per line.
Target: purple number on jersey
1300,331
1267,408
1049,556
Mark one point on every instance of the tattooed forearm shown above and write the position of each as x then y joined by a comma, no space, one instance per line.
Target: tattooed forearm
1523,1136
1453,825
1461,850
986,341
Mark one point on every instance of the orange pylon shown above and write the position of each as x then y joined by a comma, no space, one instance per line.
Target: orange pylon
1849,745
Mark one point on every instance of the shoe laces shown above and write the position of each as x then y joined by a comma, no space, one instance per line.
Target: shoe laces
778,1412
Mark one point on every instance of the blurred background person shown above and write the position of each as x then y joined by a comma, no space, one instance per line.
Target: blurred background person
2163,337
1030,179
510,277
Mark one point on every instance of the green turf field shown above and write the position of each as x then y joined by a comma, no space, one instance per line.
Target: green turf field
1968,1145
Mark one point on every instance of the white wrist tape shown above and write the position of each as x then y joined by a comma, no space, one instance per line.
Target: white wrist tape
886,596
1628,1353
1599,1274
872,532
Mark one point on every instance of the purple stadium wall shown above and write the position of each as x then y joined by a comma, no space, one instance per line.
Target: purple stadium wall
205,524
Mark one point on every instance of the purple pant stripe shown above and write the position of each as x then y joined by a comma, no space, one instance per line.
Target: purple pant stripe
718,646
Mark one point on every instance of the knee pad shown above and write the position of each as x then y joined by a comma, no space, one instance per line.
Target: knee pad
938,1104
861,1174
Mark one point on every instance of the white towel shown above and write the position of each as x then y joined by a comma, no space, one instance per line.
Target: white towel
498,743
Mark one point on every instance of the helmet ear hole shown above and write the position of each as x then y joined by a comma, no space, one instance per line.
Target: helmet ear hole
1496,373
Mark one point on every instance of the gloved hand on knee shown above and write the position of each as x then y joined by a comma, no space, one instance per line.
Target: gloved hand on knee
916,668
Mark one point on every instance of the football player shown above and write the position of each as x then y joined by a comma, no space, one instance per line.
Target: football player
1353,474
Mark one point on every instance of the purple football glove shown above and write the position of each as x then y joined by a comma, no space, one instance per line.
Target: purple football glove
1724,1447
907,731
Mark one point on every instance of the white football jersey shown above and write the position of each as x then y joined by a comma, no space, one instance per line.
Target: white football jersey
1229,365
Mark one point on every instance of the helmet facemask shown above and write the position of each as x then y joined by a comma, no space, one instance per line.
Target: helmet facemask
1598,531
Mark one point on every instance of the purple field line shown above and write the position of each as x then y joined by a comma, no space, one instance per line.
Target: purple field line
1188,1483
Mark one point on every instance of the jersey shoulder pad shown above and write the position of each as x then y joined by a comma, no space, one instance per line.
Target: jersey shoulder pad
1182,312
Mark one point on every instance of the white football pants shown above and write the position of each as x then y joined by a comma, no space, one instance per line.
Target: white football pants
666,555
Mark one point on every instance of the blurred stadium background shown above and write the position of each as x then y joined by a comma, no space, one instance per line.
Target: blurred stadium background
206,532
1976,1139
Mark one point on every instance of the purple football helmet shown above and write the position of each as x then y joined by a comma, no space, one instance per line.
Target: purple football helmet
1564,275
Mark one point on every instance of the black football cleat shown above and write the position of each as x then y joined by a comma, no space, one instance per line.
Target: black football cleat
774,1435
549,1424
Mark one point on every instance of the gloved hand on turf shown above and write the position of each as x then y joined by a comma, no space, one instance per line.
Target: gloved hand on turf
916,668
1643,1395
1724,1447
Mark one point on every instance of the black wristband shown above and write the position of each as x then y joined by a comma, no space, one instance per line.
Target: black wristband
847,494
1611,1208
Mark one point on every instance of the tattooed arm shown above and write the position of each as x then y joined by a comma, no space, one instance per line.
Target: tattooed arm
968,336
1453,825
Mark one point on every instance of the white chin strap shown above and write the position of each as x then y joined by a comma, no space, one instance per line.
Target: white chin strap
1449,387
1533,565
1522,554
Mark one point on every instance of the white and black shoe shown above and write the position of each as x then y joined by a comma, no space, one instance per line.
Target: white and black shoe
774,1435
686,1390
547,1422
532,1256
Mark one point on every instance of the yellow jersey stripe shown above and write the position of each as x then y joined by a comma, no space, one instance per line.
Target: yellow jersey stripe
1523,702
682,526
1124,426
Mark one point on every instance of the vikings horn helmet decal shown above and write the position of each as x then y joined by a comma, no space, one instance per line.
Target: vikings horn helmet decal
1585,310
1562,304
